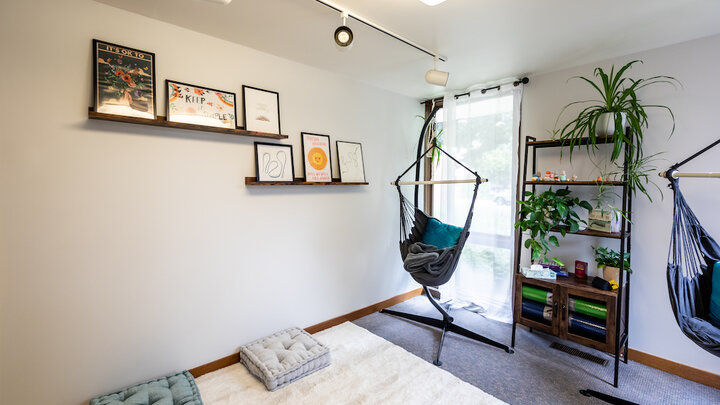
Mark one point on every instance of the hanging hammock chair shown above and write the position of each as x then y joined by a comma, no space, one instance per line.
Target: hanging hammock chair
428,264
692,255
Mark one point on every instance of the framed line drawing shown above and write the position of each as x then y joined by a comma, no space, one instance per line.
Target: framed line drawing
316,157
123,80
261,110
350,161
199,105
274,162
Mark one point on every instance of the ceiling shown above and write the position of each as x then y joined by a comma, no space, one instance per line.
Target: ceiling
484,40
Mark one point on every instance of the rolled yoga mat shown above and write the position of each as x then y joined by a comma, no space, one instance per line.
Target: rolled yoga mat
537,294
587,326
536,311
576,304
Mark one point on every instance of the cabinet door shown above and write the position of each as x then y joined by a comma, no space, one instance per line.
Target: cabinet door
537,304
588,318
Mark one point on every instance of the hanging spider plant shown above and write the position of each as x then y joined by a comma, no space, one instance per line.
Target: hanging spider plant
620,105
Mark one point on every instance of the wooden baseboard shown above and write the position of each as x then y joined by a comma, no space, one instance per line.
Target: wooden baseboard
233,358
364,311
681,370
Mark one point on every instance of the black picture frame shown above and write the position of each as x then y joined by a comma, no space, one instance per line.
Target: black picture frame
212,104
255,124
341,160
123,72
306,162
266,164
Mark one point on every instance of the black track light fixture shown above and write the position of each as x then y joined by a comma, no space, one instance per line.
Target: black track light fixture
343,33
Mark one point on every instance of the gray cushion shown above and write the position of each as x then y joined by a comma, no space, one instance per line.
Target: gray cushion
283,357
177,389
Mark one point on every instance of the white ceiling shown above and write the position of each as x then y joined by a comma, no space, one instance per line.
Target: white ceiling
484,40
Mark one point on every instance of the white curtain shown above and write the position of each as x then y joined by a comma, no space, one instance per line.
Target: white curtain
482,132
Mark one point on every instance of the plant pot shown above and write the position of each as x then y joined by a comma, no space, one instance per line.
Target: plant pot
606,123
610,273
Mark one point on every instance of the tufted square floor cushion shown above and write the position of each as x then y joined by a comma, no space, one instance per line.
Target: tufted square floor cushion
178,389
283,357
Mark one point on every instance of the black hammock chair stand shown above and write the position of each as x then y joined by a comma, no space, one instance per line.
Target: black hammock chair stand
412,228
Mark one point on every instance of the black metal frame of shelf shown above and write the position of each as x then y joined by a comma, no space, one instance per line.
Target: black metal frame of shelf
622,324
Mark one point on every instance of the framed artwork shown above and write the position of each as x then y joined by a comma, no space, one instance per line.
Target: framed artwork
124,80
350,161
261,110
274,162
316,157
200,105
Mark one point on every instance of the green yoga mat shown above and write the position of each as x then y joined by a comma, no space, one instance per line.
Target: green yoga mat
576,305
537,295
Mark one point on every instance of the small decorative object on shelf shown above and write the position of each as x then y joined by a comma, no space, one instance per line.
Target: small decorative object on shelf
316,157
124,80
350,160
261,110
274,162
580,270
539,272
192,104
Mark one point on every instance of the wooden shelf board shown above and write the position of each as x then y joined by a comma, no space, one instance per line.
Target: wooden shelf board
599,234
160,121
252,181
582,141
575,183
570,282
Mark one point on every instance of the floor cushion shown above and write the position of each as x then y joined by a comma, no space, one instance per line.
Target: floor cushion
177,389
283,357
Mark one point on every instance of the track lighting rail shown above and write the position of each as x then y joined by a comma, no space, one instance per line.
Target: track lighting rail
381,29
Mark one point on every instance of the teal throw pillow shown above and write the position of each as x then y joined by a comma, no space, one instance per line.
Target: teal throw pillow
715,296
440,234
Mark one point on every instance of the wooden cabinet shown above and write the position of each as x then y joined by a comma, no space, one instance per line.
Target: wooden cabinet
564,292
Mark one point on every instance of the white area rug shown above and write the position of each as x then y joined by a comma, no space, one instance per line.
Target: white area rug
365,369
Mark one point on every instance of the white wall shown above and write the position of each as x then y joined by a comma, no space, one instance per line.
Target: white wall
130,252
652,326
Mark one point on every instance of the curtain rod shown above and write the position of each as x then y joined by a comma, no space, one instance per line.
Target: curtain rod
675,174
381,29
515,83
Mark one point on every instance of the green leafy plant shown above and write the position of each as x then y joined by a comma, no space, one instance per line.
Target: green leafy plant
540,214
639,174
618,95
611,258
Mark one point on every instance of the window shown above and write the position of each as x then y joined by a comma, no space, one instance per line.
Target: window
481,132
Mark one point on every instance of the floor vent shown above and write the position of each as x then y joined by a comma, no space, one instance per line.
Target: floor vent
578,353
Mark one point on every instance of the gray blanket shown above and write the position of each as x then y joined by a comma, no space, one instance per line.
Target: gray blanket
422,258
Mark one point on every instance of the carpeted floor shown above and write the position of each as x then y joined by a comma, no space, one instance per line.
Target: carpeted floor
535,373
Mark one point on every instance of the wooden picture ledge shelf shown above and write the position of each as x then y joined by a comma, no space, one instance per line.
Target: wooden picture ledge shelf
160,121
252,181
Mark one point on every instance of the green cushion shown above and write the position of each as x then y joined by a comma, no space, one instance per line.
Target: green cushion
715,297
440,234
178,389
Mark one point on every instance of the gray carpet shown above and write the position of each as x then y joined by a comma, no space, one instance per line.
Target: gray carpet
535,373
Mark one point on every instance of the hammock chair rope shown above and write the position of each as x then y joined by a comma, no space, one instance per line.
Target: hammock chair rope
691,257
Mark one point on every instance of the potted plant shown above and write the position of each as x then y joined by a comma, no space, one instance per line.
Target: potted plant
541,214
618,107
608,261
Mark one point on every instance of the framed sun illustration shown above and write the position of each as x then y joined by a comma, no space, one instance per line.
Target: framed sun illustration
274,162
124,80
316,157
200,105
